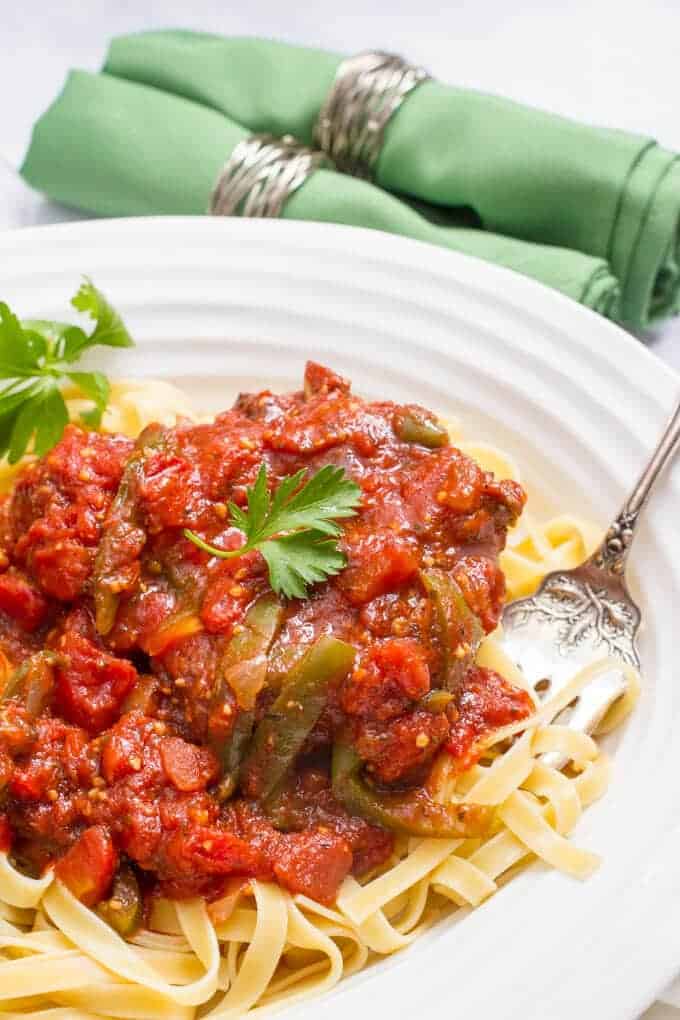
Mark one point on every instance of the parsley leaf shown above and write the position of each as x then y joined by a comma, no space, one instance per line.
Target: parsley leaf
109,329
94,385
296,529
298,560
36,358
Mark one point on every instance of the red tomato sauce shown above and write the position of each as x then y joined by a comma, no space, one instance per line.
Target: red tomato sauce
111,750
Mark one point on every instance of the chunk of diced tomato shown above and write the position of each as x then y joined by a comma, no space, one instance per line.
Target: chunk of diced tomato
20,600
403,661
313,863
377,563
91,685
87,869
221,610
449,483
486,702
226,598
387,678
396,749
33,780
189,768
206,851
167,490
61,566
125,744
321,380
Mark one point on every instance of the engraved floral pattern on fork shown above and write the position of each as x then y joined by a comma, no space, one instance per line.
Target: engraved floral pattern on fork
582,613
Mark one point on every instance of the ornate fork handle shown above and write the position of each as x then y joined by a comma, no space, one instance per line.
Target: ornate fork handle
612,554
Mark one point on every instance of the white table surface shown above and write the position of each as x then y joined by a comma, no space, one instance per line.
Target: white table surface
612,62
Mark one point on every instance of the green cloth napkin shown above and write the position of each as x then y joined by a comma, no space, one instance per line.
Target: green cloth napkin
527,174
117,148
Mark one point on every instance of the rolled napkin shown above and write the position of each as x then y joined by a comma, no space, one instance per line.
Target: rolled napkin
525,173
116,148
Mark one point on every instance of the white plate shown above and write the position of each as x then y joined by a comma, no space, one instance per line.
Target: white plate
222,304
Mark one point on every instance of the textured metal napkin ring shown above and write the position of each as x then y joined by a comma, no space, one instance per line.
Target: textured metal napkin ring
261,173
368,89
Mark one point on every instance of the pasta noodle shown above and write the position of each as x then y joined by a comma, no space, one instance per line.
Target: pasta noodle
60,961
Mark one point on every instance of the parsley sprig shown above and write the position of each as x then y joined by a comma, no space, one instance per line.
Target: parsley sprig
295,529
36,358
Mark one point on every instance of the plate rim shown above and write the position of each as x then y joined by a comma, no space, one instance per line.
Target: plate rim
385,244
547,303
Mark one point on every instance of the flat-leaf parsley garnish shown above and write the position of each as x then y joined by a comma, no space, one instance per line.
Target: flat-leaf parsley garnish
295,529
37,358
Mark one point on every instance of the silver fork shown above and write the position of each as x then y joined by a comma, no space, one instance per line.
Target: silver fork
581,615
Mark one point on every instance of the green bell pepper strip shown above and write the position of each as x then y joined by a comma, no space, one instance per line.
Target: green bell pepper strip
412,814
459,631
280,735
245,657
244,663
232,754
436,701
414,427
123,910
124,518
32,682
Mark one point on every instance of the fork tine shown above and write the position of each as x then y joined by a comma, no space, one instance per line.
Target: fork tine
589,709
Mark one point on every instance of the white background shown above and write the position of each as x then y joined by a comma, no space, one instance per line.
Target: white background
612,63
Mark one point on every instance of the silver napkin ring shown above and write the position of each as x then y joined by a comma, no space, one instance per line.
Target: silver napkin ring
261,173
368,89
